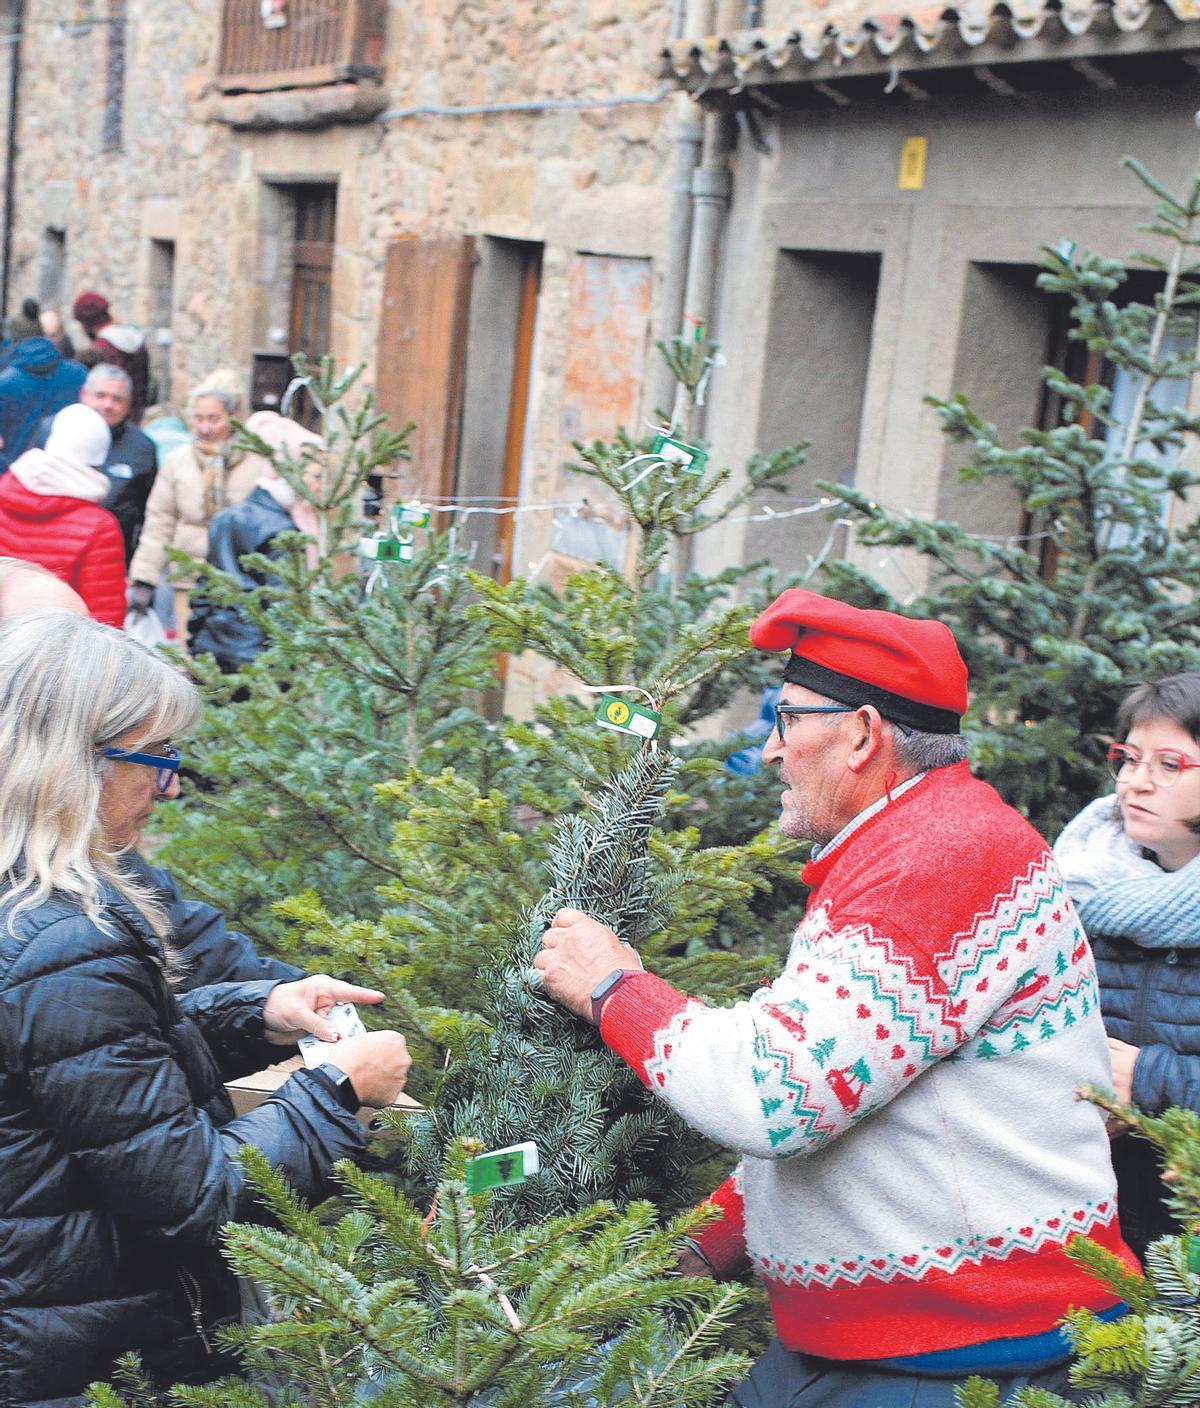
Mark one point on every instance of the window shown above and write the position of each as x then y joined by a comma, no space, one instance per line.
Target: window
819,350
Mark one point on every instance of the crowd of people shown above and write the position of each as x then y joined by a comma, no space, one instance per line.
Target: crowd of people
99,488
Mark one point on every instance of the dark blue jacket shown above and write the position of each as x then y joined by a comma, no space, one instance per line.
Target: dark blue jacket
1150,999
118,1149
37,382
225,632
131,467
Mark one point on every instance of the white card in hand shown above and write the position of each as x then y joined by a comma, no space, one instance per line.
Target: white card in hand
342,1017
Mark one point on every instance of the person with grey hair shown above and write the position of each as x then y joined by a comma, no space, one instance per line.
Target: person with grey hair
118,1144
195,481
132,461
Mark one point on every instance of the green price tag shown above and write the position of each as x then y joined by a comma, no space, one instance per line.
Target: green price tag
410,516
386,549
1193,1254
616,714
502,1168
689,459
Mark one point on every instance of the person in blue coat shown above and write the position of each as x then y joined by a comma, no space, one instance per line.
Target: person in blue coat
1132,865
38,382
118,1143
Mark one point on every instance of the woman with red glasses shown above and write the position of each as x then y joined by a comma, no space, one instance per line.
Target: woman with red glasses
1132,865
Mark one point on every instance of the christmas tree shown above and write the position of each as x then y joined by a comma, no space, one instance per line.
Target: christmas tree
374,823
395,1306
1100,591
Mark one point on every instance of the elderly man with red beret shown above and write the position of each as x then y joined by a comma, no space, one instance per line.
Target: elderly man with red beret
913,1160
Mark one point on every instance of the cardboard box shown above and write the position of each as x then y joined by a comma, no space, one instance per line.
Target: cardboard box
249,1092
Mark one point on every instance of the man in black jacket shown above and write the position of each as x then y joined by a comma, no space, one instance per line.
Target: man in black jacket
132,461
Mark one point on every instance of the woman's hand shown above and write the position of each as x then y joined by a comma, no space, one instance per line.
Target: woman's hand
292,1009
1124,1058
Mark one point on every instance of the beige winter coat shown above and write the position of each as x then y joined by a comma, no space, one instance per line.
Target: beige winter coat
190,487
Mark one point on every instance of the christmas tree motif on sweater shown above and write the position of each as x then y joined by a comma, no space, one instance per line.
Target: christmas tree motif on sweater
848,1083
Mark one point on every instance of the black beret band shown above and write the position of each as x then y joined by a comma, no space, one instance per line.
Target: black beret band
925,718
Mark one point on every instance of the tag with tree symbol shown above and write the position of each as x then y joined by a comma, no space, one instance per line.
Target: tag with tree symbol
502,1168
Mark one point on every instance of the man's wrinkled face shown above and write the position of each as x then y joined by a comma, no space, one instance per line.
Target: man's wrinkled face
110,399
812,767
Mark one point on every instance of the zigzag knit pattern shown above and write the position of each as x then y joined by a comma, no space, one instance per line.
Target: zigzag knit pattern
914,1161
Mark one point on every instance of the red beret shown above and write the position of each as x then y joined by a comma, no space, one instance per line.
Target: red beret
910,670
90,307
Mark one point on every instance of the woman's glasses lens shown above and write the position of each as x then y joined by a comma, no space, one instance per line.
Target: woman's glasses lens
1165,767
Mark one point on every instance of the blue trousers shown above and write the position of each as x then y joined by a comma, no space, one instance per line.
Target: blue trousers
785,1379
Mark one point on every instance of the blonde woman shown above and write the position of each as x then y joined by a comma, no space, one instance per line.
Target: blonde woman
118,1144
194,482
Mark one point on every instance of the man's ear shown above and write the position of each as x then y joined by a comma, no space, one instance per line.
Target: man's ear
868,739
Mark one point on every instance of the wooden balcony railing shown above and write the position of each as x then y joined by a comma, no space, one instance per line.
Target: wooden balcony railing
322,41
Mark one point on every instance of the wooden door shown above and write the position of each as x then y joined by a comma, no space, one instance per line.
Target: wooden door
422,352
312,270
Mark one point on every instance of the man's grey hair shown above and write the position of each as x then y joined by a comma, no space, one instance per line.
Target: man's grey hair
109,371
915,750
923,751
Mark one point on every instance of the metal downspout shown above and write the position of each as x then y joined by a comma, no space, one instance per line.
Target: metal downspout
16,23
712,186
689,136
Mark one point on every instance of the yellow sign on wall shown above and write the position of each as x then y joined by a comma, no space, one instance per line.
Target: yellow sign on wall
912,163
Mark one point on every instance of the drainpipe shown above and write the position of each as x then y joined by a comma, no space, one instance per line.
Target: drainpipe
16,22
712,186
688,139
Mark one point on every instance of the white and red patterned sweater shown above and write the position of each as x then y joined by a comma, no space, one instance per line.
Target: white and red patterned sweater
914,1158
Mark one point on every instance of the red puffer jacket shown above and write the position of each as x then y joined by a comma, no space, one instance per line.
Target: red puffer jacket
50,514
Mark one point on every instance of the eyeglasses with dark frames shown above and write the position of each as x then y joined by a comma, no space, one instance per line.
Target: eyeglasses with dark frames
1165,765
783,711
167,763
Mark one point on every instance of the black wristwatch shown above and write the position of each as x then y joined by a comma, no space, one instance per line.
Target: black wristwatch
343,1086
605,989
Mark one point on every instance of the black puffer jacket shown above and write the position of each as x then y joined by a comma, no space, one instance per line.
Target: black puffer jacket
117,1149
1151,999
206,949
222,631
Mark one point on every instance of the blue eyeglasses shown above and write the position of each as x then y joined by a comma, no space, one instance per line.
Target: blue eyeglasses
165,763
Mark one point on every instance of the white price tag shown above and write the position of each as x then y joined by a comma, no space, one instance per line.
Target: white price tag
343,1018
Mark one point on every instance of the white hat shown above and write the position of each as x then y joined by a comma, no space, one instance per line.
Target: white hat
79,434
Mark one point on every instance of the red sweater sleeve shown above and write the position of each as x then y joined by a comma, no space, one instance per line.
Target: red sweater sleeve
724,1242
101,575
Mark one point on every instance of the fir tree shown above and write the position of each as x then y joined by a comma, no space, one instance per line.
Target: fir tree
412,859
539,1072
393,1306
1057,626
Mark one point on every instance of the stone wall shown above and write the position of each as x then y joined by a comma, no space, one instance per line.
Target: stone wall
591,180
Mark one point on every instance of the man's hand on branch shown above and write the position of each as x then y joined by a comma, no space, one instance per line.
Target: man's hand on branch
577,953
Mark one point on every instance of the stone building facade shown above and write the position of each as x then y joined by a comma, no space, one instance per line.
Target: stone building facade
147,169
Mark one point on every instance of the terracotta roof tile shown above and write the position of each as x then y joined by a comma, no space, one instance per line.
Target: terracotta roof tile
840,30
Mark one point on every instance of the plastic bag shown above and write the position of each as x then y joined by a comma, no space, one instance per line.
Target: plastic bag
146,627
